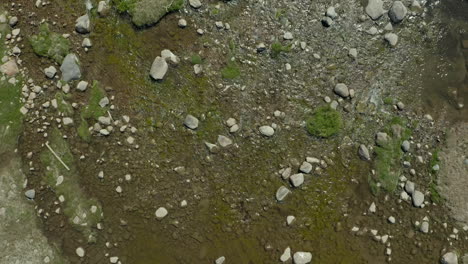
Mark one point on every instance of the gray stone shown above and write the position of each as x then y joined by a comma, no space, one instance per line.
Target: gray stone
220,260
352,53
391,38
342,90
105,120
409,187
372,31
103,8
82,86
302,257
297,179
374,9
170,57
405,146
306,167
161,213
224,141
286,255
331,12
388,27
424,227
381,139
267,131
281,193
83,24
195,3
191,122
449,258
67,121
86,43
327,21
397,12
80,252
288,36
364,152
13,21
50,72
30,194
104,102
418,198
182,23
197,69
70,68
159,68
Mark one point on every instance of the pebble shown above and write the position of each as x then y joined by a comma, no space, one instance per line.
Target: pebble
297,179
224,141
191,122
331,12
424,227
161,213
195,3
342,90
290,219
86,43
374,9
405,146
220,260
418,198
104,102
114,259
197,69
50,72
397,12
286,255
267,131
158,68
182,23
391,220
30,194
83,24
364,152
288,36
302,257
281,193
372,208
306,167
80,252
67,121
409,187
449,258
70,68
391,38
352,53
82,86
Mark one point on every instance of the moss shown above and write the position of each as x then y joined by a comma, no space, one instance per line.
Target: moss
124,6
83,130
325,122
196,59
49,44
148,12
62,105
176,5
77,207
93,109
277,48
231,71
388,100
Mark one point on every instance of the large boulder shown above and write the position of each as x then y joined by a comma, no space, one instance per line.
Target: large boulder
148,12
70,68
375,9
397,12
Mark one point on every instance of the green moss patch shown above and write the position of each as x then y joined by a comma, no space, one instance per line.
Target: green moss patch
231,71
324,122
93,109
147,12
49,44
277,48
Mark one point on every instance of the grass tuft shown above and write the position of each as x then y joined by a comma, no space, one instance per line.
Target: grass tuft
324,122
231,71
277,48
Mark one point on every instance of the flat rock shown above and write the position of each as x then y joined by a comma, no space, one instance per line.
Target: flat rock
191,122
159,68
306,167
70,68
302,257
374,9
281,193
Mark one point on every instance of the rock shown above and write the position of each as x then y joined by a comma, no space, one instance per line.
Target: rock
267,131
290,219
195,3
286,255
114,259
182,23
297,179
261,47
15,32
388,27
86,43
67,121
372,31
219,24
363,152
286,173
381,139
287,36
224,141
302,257
306,167
83,24
197,69
424,227
30,194
331,13
449,258
70,68
169,56
372,208
103,8
409,187
230,122
374,9
159,68
161,213
104,132
234,128
220,260
82,86
391,220
80,252
327,22
13,21
281,193
405,146
9,68
50,72
342,90
104,102
352,53
105,120
3,18
191,122
418,198
391,38
397,12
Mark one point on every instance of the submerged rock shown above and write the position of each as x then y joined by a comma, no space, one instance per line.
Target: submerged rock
70,68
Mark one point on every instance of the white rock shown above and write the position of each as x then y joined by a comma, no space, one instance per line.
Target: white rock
114,259
302,257
67,121
372,208
169,56
82,86
220,260
161,213
290,219
191,122
83,24
391,38
182,23
391,220
159,68
195,3
306,167
286,255
418,198
50,72
267,131
80,252
424,227
281,193
86,43
297,179
224,141
449,258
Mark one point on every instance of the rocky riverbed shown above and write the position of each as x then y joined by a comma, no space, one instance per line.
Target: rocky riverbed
153,131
